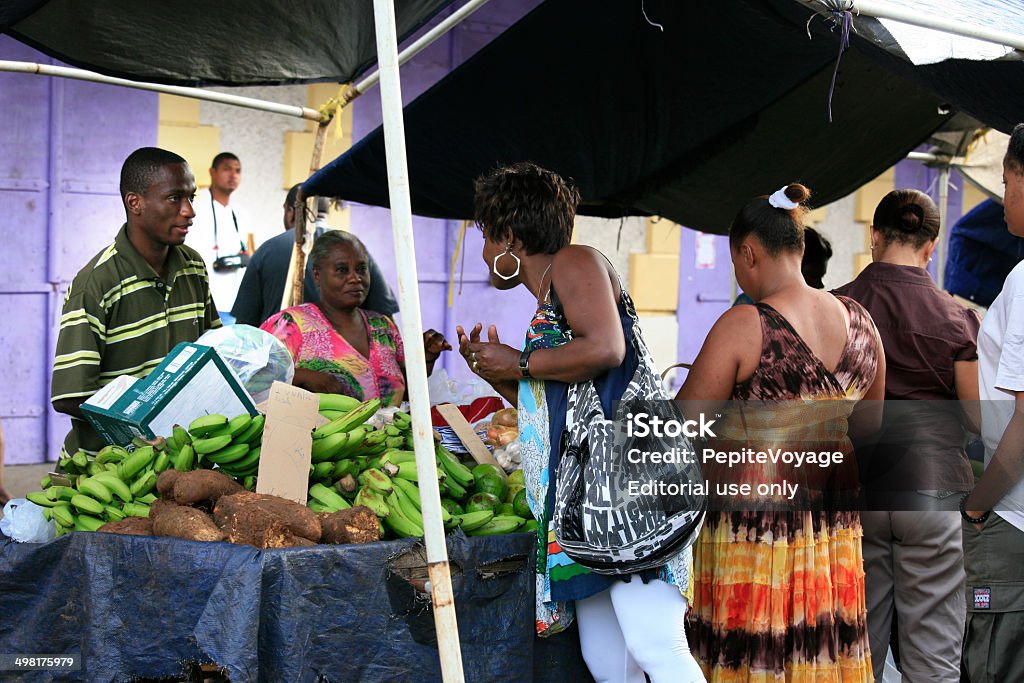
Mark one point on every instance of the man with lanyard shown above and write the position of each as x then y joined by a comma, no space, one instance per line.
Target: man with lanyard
136,299
216,235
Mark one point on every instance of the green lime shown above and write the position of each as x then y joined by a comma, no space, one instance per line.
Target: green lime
491,483
451,506
482,501
521,506
516,478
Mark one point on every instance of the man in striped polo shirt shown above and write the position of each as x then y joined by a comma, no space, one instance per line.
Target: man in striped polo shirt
136,299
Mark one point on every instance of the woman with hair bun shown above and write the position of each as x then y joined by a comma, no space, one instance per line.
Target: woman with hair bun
779,591
913,547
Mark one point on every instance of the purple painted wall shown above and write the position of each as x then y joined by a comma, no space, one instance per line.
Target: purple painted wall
61,148
704,294
437,240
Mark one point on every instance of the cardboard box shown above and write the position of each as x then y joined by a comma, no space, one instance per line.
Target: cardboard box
192,381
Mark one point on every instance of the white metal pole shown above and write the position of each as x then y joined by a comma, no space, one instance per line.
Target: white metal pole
884,10
195,93
940,245
412,332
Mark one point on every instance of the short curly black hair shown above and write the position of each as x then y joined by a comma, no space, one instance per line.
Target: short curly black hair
535,205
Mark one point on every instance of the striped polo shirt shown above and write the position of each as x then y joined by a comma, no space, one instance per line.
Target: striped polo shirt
121,318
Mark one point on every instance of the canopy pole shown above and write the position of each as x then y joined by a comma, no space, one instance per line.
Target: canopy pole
940,245
295,293
880,9
297,266
194,93
412,332
418,46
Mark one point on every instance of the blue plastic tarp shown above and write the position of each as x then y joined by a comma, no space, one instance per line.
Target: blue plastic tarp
134,606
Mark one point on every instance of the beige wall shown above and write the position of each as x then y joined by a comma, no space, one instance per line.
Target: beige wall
275,150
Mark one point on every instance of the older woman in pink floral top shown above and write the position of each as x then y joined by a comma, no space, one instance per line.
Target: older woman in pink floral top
337,346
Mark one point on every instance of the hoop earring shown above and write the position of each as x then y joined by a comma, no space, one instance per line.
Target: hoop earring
494,266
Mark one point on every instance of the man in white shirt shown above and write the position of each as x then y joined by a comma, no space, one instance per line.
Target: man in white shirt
217,233
994,511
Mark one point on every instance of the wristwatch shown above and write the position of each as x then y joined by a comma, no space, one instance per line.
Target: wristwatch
524,362
972,520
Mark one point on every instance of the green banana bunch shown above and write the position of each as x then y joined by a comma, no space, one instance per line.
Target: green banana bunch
239,424
245,466
397,523
470,521
350,420
111,454
454,468
328,497
186,459
211,444
376,480
373,500
205,425
402,420
86,522
502,524
337,402
115,484
321,471
324,449
254,432
135,462
228,454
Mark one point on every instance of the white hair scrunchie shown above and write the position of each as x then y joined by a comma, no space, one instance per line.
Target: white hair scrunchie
779,200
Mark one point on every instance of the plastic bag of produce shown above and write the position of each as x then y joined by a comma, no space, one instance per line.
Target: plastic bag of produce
257,357
444,389
24,522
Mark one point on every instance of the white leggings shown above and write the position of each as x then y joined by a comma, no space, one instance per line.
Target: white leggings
636,627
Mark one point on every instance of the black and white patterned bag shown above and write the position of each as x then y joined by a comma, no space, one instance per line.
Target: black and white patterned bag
598,521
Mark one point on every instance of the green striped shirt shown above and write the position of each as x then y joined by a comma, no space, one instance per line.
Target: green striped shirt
121,318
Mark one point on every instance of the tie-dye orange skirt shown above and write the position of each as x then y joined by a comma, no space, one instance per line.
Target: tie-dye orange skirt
779,598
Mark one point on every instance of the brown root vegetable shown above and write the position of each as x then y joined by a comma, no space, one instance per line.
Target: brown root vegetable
260,519
165,483
133,526
160,505
353,525
184,522
201,486
300,542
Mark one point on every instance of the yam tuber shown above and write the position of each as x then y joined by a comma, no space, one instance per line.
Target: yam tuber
184,522
353,525
201,486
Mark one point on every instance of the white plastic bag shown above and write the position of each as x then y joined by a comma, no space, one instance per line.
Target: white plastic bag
24,522
444,389
257,357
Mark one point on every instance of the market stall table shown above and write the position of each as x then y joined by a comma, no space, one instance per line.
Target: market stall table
135,606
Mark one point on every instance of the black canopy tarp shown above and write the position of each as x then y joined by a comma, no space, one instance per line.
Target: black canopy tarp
728,102
227,42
